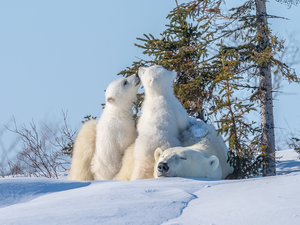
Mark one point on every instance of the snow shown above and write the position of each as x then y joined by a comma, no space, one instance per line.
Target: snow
194,133
266,200
196,129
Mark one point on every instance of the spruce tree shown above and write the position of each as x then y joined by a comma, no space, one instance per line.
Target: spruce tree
257,56
242,136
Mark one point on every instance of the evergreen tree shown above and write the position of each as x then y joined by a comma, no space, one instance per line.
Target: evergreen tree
295,143
257,56
243,137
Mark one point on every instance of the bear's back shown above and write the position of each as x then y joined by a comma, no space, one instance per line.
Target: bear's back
158,114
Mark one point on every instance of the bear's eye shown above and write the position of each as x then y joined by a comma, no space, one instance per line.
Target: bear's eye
125,82
183,158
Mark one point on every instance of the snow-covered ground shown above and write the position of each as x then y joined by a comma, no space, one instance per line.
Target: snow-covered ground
271,200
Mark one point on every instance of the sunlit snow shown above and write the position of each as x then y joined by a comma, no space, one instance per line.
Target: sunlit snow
270,200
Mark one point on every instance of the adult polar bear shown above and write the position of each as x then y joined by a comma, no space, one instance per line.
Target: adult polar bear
98,150
162,119
204,156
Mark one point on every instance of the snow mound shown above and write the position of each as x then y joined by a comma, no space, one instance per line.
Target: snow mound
255,201
107,202
265,200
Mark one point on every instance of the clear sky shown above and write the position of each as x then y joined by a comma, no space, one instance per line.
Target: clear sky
61,55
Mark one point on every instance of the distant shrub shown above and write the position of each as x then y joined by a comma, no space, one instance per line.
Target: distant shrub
44,153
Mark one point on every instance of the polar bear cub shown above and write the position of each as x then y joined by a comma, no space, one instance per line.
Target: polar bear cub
162,118
84,148
116,128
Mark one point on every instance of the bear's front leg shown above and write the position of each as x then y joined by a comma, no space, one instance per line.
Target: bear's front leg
143,167
142,172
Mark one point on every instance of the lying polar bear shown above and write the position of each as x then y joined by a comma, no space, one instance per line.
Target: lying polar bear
187,162
203,155
206,158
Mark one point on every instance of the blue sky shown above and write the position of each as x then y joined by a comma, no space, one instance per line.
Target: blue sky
61,55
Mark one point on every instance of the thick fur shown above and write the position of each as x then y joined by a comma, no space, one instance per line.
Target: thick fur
83,152
208,147
127,165
220,148
115,129
162,118
186,162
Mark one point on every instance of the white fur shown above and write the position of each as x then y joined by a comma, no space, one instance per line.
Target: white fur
116,129
162,118
83,152
207,147
127,165
186,162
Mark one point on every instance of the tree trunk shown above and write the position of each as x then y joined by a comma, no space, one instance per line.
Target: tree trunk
267,119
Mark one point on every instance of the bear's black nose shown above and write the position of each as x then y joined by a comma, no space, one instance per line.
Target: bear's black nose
137,75
162,167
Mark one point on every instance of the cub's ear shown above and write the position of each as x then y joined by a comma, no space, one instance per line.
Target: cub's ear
110,99
157,153
213,161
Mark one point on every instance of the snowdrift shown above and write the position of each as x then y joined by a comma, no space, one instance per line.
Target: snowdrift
271,200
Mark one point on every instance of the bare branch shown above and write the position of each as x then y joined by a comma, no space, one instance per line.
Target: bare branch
42,153
289,3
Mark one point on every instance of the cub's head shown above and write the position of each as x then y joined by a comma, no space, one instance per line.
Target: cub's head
184,162
122,92
157,80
